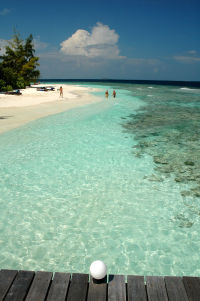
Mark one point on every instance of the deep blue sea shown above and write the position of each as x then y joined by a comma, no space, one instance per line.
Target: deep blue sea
117,180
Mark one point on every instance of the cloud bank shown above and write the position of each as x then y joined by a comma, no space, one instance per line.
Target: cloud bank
190,57
94,54
187,59
100,43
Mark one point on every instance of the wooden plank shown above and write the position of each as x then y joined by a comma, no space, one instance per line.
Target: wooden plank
97,290
136,288
20,286
156,289
175,289
6,279
192,287
116,288
59,287
39,287
78,287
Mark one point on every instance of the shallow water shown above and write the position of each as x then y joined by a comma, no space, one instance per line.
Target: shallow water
85,185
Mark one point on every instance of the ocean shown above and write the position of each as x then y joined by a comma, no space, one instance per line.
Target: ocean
116,180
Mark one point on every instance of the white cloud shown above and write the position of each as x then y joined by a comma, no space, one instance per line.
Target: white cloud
190,56
39,44
192,52
100,43
3,44
94,53
187,59
4,11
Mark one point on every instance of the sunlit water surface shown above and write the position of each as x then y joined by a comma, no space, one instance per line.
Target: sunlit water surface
72,191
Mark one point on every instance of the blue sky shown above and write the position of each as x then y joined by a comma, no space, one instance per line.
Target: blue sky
138,39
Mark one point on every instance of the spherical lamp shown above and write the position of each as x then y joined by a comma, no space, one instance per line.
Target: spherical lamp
98,269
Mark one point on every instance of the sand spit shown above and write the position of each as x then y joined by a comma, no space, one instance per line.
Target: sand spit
16,110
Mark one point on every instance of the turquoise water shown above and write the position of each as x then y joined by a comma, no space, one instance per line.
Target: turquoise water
73,189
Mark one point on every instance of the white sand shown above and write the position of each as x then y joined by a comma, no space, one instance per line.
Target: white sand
32,104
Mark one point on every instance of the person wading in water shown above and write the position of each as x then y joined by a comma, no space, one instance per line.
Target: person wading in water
114,93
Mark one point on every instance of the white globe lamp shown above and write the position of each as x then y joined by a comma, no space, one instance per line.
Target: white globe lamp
98,269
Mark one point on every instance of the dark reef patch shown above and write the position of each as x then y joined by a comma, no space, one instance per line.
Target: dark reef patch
167,128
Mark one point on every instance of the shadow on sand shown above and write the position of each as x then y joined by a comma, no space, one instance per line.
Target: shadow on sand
5,117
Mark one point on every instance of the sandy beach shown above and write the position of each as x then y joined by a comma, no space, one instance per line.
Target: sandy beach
16,110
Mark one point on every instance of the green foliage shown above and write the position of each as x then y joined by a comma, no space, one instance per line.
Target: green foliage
18,66
9,76
4,87
21,83
2,83
7,88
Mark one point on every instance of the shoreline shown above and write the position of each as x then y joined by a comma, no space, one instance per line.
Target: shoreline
16,111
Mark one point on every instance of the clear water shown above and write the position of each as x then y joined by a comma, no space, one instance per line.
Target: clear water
72,191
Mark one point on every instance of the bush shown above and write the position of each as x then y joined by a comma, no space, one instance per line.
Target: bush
7,88
2,84
20,83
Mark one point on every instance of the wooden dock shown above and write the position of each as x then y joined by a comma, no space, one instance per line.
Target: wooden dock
46,286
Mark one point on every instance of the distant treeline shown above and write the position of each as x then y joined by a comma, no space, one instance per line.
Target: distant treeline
18,66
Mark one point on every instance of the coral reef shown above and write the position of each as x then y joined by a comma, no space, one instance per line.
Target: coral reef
167,127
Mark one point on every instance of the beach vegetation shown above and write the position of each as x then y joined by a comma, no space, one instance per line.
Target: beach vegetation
18,66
